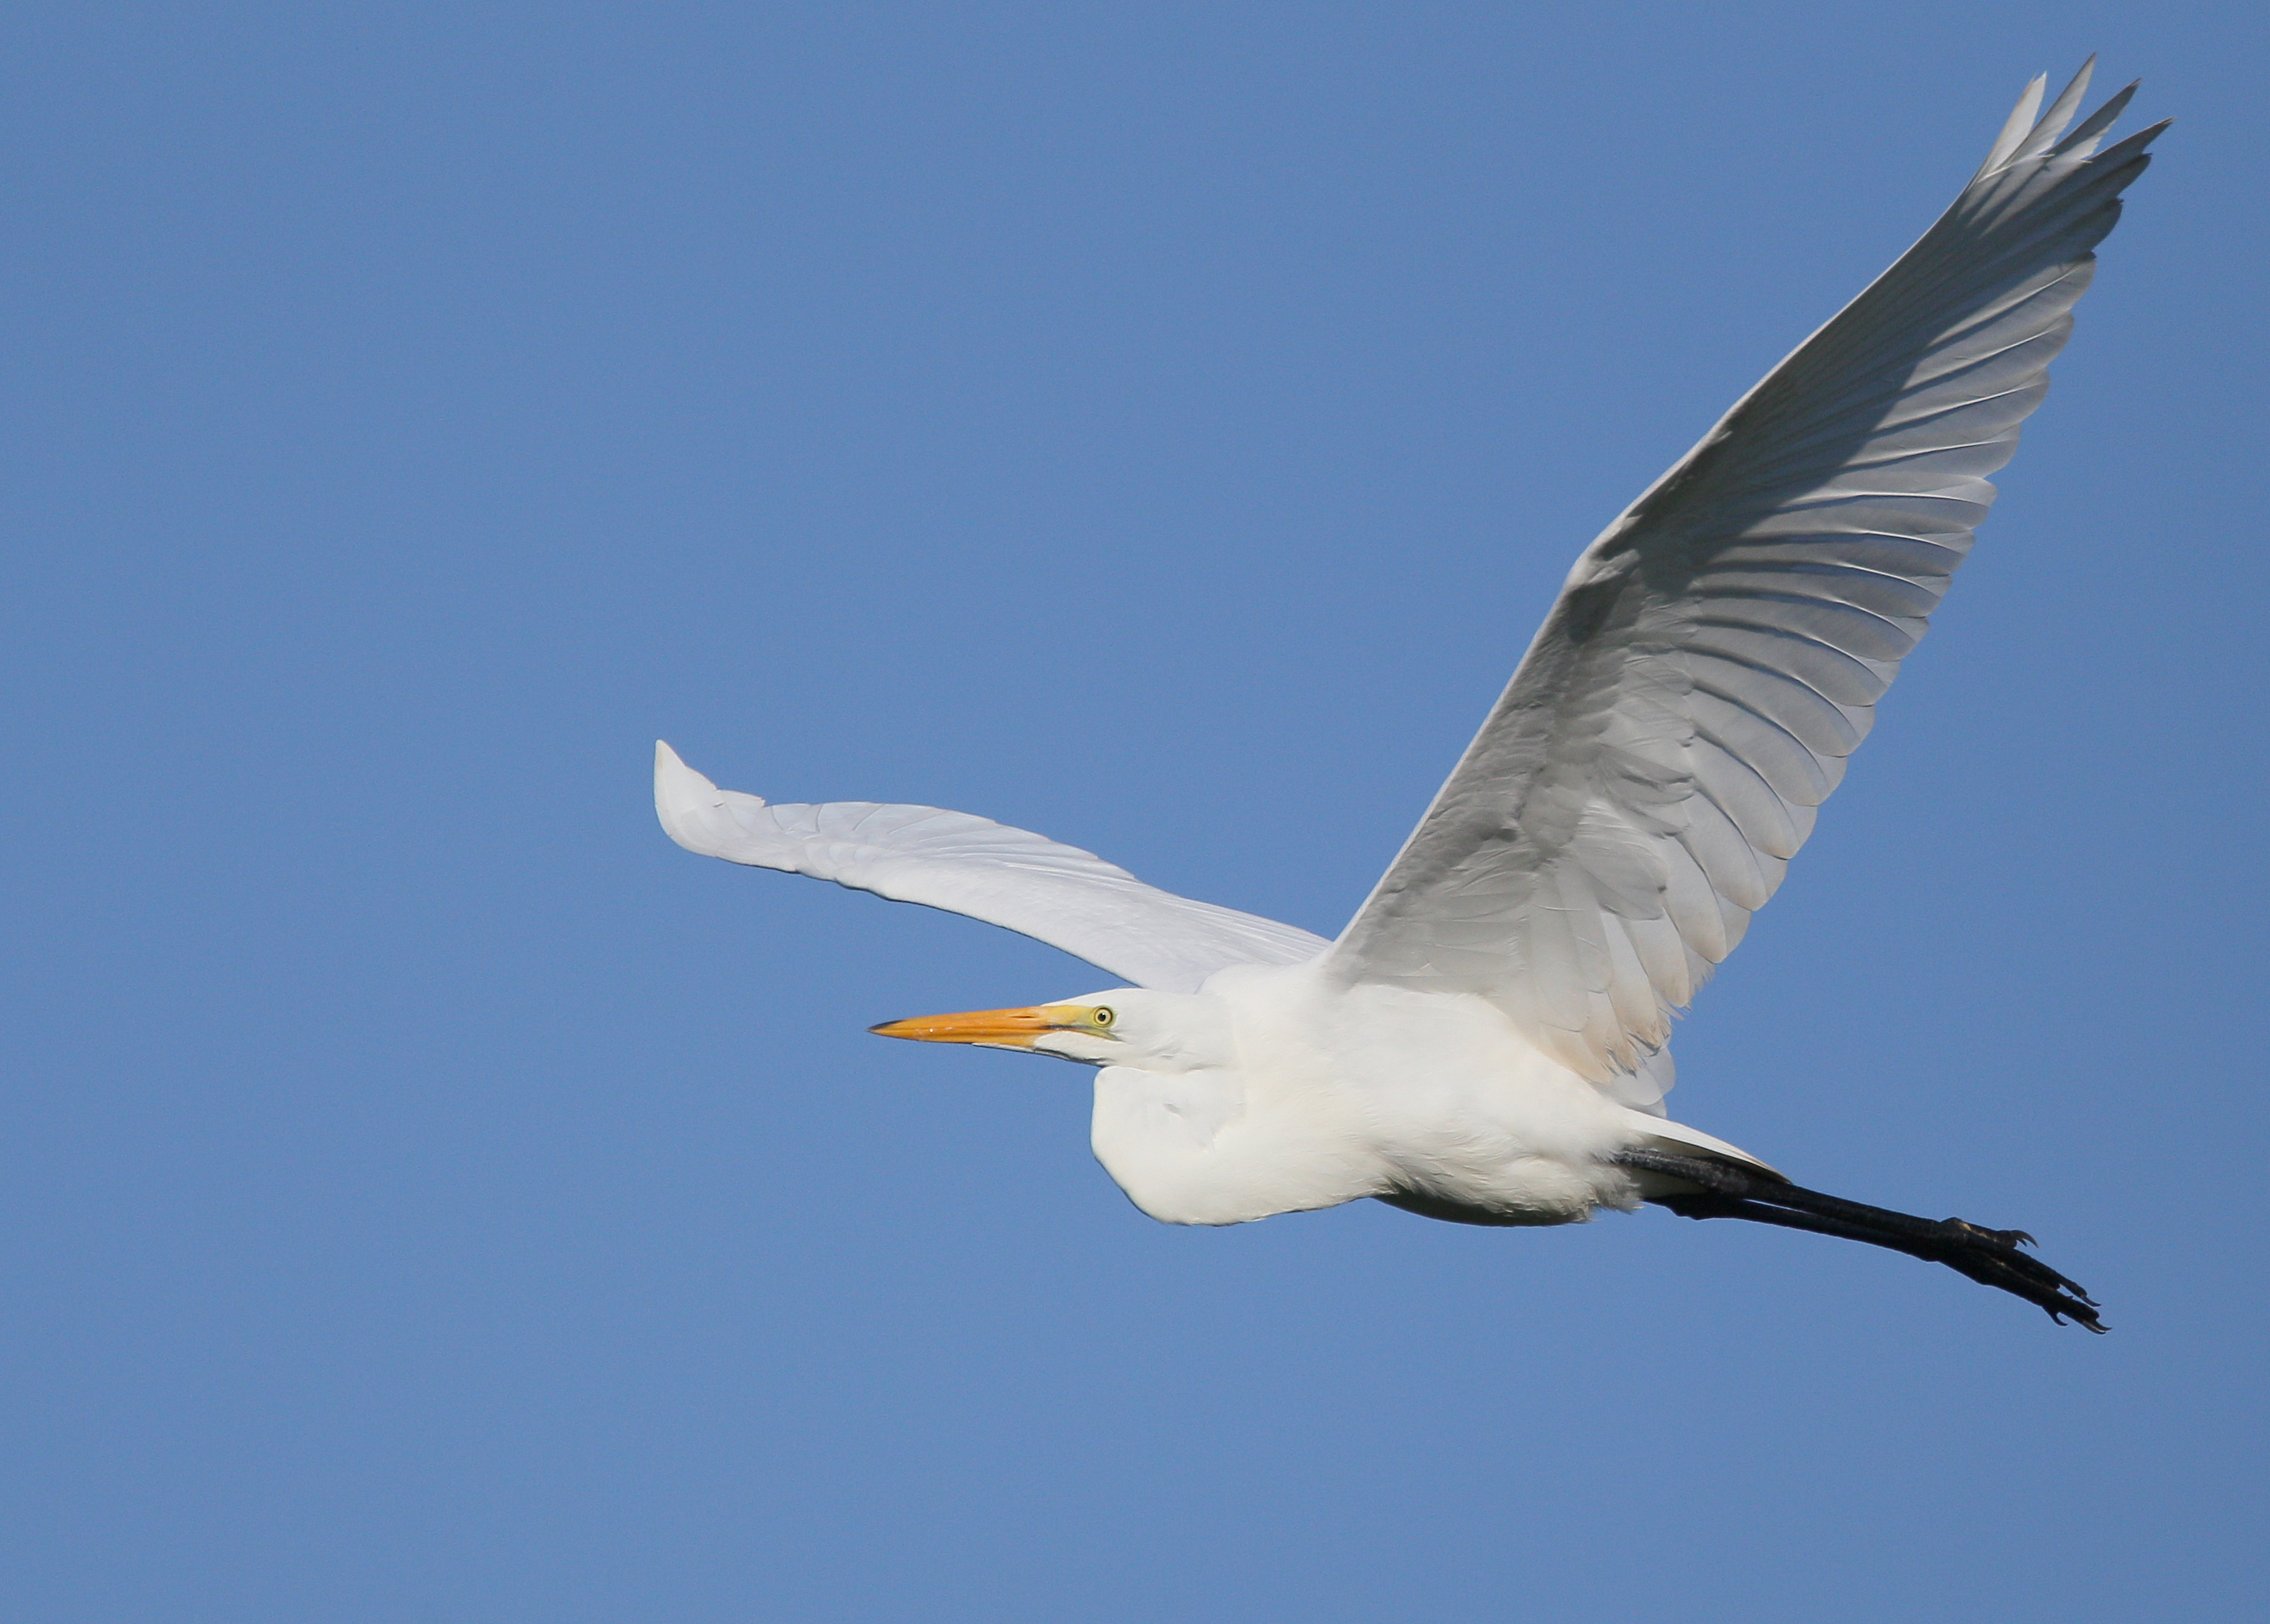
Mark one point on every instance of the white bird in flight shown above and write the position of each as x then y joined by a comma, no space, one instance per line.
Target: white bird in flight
1486,1041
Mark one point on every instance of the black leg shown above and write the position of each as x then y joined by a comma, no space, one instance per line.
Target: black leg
1990,1257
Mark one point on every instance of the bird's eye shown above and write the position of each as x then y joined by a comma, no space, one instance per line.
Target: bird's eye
1104,1017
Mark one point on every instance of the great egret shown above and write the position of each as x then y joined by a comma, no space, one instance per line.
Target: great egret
1484,1043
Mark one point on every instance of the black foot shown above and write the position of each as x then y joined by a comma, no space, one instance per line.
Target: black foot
1990,1257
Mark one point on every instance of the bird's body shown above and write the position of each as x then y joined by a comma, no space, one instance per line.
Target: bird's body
1319,1095
1486,1041
1281,1090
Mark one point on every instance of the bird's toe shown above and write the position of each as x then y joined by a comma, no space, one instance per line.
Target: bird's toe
1998,1237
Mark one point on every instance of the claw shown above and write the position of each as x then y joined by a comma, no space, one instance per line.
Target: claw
1999,1237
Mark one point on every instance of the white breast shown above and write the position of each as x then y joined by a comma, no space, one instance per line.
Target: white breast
1336,1093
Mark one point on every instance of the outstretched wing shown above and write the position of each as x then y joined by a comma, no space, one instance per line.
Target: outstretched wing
1060,895
1657,759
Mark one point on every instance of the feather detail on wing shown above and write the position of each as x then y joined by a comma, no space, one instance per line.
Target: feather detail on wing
1714,656
1060,895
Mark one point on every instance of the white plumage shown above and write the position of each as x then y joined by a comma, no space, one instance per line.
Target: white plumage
1486,1039
1060,894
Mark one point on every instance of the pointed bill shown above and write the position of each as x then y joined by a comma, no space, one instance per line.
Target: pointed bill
993,1028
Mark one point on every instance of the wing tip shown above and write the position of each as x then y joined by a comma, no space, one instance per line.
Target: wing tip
2034,134
681,796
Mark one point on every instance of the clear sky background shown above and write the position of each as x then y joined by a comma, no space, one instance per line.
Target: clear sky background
430,1195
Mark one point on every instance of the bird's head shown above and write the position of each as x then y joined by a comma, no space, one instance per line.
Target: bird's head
1127,1025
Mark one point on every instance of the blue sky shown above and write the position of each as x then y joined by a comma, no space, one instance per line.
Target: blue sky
431,1195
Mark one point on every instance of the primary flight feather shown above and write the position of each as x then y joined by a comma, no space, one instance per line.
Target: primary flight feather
1486,1041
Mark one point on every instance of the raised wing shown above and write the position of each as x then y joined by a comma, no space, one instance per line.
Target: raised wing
1060,895
1713,658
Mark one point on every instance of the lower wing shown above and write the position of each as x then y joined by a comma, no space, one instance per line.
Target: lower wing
1056,893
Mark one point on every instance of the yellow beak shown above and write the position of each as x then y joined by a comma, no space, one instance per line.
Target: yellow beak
996,1028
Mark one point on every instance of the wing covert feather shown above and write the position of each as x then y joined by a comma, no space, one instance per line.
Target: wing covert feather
1716,654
